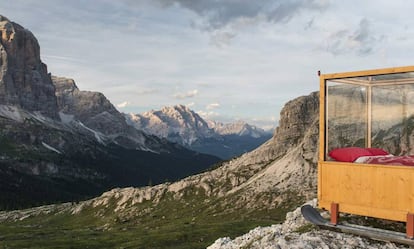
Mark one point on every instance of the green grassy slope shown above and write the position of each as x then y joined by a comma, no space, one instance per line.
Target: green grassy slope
192,221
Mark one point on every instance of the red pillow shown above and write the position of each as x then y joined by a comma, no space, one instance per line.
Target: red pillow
377,151
348,154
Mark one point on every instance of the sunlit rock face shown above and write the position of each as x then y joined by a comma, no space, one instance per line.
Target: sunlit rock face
24,80
92,108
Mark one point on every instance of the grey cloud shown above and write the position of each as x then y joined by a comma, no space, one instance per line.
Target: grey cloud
218,14
309,24
225,18
220,38
148,92
361,41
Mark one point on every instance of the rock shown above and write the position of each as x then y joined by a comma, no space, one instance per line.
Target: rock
24,80
288,236
97,113
91,108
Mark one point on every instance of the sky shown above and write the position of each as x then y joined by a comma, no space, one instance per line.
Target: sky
227,60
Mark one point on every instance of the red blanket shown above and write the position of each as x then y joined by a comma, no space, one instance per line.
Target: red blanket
387,160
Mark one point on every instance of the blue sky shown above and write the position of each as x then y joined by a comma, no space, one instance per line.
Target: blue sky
227,60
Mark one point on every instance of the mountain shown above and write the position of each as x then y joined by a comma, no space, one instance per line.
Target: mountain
181,125
58,143
239,128
94,111
25,82
255,189
178,124
244,195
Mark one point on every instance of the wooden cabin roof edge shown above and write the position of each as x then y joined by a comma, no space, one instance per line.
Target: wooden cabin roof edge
390,70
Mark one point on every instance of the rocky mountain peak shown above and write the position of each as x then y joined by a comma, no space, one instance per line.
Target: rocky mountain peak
184,116
239,127
84,104
92,108
182,125
177,123
64,85
24,80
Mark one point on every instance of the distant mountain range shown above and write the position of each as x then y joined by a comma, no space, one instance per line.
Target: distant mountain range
181,125
58,143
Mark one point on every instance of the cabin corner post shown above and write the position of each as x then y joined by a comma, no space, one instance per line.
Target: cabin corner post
322,99
321,156
410,226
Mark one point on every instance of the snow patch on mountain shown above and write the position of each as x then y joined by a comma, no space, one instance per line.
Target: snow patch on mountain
99,136
51,148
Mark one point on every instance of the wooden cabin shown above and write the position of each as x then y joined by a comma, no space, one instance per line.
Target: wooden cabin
359,110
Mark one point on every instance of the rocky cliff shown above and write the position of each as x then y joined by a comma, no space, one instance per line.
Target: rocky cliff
97,113
24,80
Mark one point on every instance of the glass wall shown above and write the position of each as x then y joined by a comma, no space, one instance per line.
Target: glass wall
346,110
371,111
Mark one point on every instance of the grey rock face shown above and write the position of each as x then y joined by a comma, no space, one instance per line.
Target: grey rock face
24,80
96,112
91,108
296,118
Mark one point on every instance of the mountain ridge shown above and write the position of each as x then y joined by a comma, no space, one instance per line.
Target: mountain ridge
182,125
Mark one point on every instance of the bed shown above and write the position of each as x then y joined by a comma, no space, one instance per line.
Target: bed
369,156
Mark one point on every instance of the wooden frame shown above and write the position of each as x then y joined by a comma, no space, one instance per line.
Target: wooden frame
379,191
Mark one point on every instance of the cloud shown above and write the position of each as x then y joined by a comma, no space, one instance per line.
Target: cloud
212,106
123,104
225,18
209,115
218,14
361,41
147,91
221,38
189,94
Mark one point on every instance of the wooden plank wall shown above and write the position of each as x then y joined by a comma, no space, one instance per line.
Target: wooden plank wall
379,191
